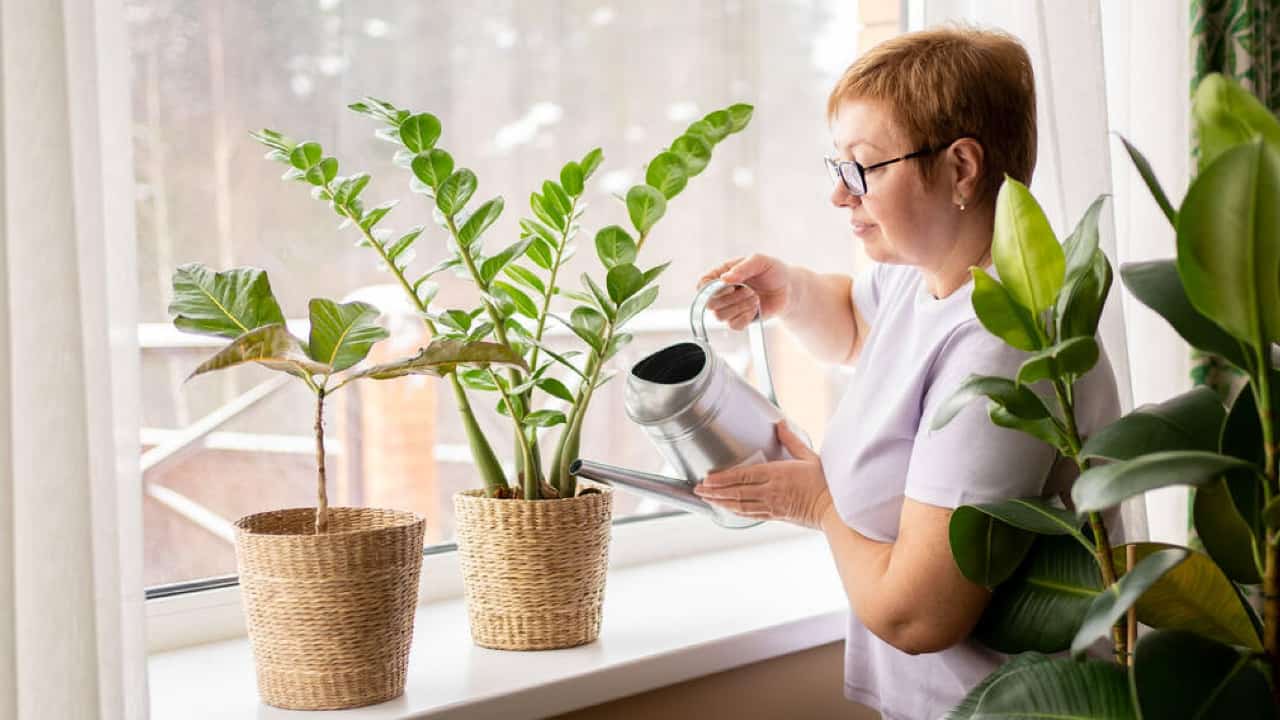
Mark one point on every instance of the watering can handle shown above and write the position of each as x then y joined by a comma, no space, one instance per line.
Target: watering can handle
759,352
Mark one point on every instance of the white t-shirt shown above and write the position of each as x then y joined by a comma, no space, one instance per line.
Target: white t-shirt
879,450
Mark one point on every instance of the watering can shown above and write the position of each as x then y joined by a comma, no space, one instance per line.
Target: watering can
700,414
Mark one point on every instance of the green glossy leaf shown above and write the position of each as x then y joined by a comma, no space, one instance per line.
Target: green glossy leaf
739,116
525,277
1067,360
591,161
1099,488
652,273
588,319
404,242
1036,515
546,211
1226,115
1156,284
1242,438
614,246
1194,596
545,418
633,305
490,268
719,123
1042,604
1082,244
571,178
555,388
420,132
540,254
623,281
442,357
646,206
479,221
1227,537
480,332
342,334
477,379
1061,689
616,343
1017,399
1001,315
986,549
1190,421
270,345
592,340
693,151
601,297
1180,674
556,200
666,173
1045,429
1027,255
702,129
533,227
1228,257
459,320
375,215
1079,306
524,304
227,304
1115,601
1149,177
562,358
967,707
432,167
306,155
455,191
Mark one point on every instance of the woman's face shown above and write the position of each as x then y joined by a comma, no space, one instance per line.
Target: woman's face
902,219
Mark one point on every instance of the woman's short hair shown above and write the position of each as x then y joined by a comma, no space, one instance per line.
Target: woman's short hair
952,82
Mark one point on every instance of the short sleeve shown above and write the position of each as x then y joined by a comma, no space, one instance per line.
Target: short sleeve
867,289
971,459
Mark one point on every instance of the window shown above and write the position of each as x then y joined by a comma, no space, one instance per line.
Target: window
520,87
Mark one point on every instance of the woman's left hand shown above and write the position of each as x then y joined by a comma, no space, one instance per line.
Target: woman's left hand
791,490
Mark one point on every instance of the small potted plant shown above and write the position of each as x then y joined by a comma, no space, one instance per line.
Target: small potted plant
534,547
329,593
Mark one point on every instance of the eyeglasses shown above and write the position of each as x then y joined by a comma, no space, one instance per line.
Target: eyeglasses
854,175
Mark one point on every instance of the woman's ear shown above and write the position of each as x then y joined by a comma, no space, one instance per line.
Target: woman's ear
966,158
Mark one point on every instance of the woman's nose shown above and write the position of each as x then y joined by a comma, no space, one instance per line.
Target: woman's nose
841,197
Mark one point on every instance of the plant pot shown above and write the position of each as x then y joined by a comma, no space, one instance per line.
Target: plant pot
330,616
533,571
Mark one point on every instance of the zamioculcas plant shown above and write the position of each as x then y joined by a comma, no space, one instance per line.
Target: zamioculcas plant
517,285
1057,585
237,304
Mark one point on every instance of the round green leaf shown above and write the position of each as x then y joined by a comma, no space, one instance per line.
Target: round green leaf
1190,421
571,178
986,550
1001,315
719,123
614,246
1099,488
1179,674
420,132
646,206
666,173
1115,601
432,167
306,155
739,116
1027,255
623,281
694,152
1228,257
455,191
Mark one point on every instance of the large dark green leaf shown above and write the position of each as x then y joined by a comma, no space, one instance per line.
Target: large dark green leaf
270,345
666,173
1115,601
1099,488
1228,257
1193,596
986,550
1179,674
1041,606
966,708
1068,359
1190,421
1156,284
1225,534
1001,315
1226,116
1017,399
442,357
1027,255
1060,689
342,334
1079,306
1242,438
1149,177
1036,515
227,304
646,206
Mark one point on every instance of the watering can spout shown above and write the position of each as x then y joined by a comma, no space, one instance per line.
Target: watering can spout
669,490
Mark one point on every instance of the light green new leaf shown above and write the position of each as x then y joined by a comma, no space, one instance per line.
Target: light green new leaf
341,335
615,247
739,116
1102,487
1228,256
420,132
399,246
986,549
1190,421
1017,399
270,345
571,178
1068,359
442,357
1027,255
666,173
646,206
693,151
1149,177
1178,674
1001,315
306,155
1081,245
652,273
1226,115
432,167
1115,601
588,319
455,191
591,161
227,304
1156,284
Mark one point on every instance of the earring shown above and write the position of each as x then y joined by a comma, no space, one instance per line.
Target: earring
961,206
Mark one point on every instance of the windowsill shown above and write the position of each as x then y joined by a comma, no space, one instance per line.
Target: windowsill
664,622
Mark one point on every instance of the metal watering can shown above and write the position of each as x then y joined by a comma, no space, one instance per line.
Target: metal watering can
700,414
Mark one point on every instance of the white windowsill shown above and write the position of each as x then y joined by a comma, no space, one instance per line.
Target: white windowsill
664,622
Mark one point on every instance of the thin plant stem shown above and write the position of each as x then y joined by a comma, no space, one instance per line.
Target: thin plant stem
322,504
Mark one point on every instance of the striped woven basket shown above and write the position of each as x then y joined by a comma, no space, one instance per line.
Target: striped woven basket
330,616
533,571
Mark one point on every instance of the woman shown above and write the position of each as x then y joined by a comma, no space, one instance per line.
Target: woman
925,127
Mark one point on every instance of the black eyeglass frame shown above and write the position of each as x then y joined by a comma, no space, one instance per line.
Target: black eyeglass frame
837,168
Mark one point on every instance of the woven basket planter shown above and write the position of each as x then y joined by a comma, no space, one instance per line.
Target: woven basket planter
330,616
533,571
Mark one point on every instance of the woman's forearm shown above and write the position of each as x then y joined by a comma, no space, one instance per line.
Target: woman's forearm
820,315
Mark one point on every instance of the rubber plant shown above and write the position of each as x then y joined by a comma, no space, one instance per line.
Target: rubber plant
518,286
238,304
1057,583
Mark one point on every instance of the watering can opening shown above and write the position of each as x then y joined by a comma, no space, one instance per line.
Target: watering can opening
679,363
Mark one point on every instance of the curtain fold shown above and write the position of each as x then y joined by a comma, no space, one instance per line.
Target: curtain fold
71,615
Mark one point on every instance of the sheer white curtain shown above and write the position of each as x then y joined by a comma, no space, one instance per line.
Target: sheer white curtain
1122,66
71,622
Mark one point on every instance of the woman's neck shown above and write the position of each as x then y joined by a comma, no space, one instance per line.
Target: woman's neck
972,247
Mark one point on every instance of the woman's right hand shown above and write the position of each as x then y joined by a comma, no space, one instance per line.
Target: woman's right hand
767,278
